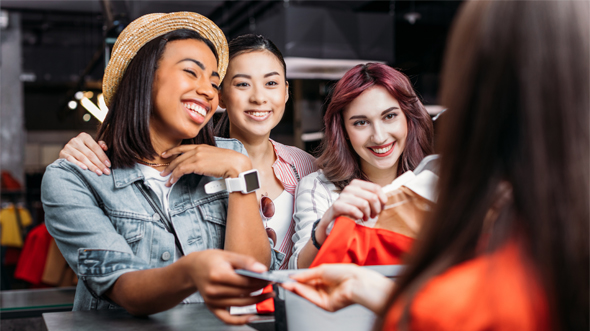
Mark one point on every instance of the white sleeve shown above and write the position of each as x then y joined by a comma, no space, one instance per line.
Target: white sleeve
312,199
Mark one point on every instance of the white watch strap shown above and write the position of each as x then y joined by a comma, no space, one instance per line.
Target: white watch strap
234,184
215,186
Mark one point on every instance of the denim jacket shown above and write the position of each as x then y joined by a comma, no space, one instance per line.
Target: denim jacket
105,227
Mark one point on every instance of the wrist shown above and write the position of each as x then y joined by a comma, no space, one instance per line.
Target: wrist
372,290
239,166
190,278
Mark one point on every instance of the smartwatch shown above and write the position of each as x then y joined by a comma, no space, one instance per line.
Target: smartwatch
246,182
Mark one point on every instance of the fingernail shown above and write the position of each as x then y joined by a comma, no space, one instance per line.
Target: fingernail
98,172
163,153
84,167
106,171
107,163
258,267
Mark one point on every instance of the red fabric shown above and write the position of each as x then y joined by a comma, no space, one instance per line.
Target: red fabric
353,243
8,182
498,291
267,306
11,255
34,255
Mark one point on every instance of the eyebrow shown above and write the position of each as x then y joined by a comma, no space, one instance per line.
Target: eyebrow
201,65
382,113
274,73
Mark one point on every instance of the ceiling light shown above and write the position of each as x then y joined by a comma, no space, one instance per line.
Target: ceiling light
72,104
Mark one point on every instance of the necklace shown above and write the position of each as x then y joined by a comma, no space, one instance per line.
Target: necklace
152,164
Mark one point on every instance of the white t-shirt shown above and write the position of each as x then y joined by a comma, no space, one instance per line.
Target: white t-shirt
157,184
281,220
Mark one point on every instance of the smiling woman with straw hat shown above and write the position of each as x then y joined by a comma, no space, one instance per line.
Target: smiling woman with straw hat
147,242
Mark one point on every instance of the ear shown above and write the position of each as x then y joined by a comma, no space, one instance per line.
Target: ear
286,91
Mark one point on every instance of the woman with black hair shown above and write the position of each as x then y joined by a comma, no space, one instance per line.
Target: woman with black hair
507,245
147,242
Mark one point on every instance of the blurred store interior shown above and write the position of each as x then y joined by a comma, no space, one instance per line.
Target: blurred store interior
54,54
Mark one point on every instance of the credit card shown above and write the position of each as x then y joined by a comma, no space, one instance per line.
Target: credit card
279,276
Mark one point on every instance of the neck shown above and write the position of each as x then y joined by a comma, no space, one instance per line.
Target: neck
381,177
259,148
162,144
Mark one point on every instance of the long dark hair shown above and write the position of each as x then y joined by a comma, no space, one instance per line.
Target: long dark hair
126,127
338,160
245,44
516,82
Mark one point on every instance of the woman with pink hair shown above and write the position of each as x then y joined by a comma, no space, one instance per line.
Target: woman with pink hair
376,129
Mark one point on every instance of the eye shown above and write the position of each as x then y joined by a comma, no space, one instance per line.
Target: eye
192,73
242,84
217,87
390,116
272,83
360,123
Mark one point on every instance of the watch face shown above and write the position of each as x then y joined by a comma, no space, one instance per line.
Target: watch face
251,180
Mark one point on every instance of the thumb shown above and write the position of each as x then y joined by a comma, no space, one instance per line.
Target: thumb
238,261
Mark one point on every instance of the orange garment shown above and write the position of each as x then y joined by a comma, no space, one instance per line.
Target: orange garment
492,292
353,243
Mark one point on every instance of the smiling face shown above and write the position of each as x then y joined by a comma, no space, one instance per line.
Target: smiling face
185,90
254,93
377,130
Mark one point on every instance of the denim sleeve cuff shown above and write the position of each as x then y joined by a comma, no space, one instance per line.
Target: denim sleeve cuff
99,269
276,257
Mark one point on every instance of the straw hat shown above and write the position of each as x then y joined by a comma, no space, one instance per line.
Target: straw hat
149,27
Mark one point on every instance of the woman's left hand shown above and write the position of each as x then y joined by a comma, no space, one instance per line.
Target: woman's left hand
205,160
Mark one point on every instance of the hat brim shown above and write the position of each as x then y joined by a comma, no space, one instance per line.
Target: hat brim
147,28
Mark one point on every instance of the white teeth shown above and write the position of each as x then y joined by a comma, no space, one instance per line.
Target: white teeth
382,150
196,108
258,113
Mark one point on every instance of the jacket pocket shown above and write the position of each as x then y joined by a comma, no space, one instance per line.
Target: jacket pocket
214,214
131,229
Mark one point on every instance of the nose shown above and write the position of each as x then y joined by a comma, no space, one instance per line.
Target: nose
257,97
206,89
379,136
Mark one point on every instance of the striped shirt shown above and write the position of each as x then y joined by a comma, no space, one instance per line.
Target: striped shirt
291,165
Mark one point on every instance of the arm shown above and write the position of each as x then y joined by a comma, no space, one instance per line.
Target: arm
358,200
210,272
86,153
244,232
335,286
312,199
105,262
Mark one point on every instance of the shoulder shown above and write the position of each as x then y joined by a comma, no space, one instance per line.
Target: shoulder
303,161
316,179
230,143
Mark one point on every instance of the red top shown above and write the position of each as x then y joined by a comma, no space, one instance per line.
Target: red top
498,291
353,243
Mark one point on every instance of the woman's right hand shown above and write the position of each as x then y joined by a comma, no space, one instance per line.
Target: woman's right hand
212,271
359,200
83,151
336,286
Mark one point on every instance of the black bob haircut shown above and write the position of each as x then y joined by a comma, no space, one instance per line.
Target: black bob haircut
126,127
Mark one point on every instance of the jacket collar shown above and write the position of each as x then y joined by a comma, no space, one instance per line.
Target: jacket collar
126,176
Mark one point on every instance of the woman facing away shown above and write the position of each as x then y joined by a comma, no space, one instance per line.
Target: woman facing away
147,242
376,129
507,245
254,94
